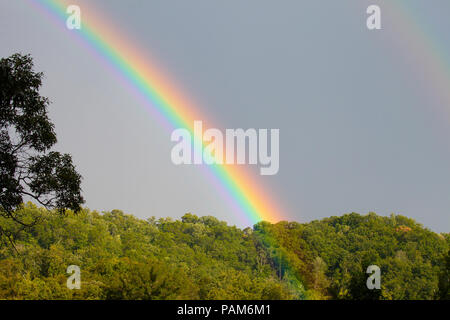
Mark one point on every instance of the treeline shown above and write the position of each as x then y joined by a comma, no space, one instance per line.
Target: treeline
122,257
331,256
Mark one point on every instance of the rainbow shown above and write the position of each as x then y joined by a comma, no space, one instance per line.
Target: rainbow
167,104
420,44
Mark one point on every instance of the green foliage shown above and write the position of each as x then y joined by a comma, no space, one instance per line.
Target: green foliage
122,257
332,256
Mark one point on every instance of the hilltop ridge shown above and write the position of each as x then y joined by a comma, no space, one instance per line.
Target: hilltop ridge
123,257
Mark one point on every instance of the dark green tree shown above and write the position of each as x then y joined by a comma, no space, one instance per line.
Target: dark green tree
444,280
28,166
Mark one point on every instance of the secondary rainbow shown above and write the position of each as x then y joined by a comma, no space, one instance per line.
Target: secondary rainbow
165,102
416,40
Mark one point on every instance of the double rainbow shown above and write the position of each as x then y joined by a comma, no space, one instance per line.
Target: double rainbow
173,110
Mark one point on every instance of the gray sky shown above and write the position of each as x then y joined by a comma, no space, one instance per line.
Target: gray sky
362,125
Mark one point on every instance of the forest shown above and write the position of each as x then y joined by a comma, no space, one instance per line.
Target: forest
123,257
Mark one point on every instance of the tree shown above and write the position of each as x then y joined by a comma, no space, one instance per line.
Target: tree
444,280
28,167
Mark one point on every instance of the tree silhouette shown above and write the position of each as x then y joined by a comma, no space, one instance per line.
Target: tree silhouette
28,167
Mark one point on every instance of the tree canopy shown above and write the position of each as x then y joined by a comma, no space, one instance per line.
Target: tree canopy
28,166
122,257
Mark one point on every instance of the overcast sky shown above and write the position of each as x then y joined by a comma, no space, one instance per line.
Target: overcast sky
362,126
